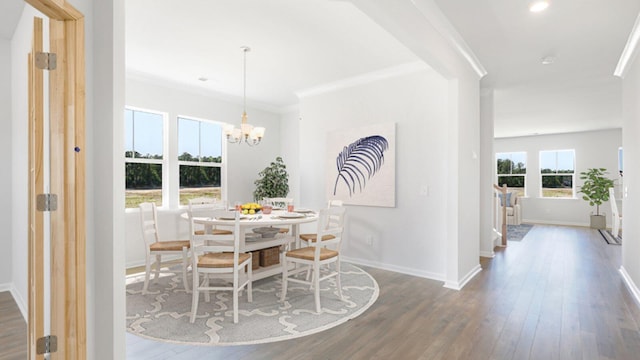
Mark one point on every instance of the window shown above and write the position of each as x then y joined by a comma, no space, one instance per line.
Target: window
557,169
143,157
200,159
620,156
512,170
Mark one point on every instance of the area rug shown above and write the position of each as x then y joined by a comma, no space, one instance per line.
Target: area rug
164,313
518,232
609,238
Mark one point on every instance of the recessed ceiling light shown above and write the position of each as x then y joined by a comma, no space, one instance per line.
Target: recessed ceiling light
538,5
548,60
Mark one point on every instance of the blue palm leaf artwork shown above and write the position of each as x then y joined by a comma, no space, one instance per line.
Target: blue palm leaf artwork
359,161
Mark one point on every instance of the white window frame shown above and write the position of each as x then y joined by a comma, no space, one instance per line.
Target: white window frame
222,164
524,176
573,175
162,162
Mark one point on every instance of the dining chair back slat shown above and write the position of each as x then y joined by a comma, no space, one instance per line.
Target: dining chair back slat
204,207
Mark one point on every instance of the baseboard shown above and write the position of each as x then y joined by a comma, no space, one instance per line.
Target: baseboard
630,284
142,263
487,254
22,304
550,222
394,268
458,285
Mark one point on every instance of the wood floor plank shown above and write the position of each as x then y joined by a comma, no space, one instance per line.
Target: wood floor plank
557,294
13,329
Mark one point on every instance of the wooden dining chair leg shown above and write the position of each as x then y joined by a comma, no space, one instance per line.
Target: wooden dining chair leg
309,271
194,296
308,276
147,274
249,286
158,266
235,300
207,283
338,281
316,283
185,266
284,279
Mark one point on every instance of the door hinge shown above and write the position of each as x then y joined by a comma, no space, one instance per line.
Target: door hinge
47,344
47,202
46,61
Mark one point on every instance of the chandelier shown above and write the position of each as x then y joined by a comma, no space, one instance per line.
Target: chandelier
247,133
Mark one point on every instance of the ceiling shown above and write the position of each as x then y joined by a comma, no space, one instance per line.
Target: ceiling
303,44
10,11
578,92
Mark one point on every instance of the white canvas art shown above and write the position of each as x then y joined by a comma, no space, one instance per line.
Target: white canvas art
361,165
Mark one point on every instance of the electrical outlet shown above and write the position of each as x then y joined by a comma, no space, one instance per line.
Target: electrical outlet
369,240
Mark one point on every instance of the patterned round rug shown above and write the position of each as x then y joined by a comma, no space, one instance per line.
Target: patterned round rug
163,314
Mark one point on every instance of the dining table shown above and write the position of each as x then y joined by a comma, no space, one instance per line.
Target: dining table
280,218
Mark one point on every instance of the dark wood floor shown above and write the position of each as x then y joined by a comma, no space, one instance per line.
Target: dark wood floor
555,295
13,329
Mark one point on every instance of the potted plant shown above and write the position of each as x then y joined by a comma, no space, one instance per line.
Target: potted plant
273,181
595,190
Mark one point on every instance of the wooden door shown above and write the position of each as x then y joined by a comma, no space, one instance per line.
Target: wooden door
66,134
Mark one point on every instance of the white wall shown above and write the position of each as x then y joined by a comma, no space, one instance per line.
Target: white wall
421,26
463,259
290,149
410,237
105,180
487,175
593,149
5,158
631,201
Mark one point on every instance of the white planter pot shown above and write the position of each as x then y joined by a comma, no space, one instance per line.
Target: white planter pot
598,221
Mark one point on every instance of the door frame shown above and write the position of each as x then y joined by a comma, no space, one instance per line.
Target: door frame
67,181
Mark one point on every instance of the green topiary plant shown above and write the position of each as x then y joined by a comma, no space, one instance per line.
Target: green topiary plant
273,181
596,187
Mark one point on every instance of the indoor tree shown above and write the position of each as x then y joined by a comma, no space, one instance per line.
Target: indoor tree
273,181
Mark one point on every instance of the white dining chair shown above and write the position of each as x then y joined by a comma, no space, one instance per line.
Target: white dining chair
155,248
219,256
203,206
616,217
310,237
279,202
307,237
329,230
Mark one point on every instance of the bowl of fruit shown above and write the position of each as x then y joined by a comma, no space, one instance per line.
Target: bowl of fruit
250,208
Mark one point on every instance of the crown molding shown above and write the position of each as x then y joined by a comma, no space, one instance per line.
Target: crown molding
370,77
630,50
432,13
